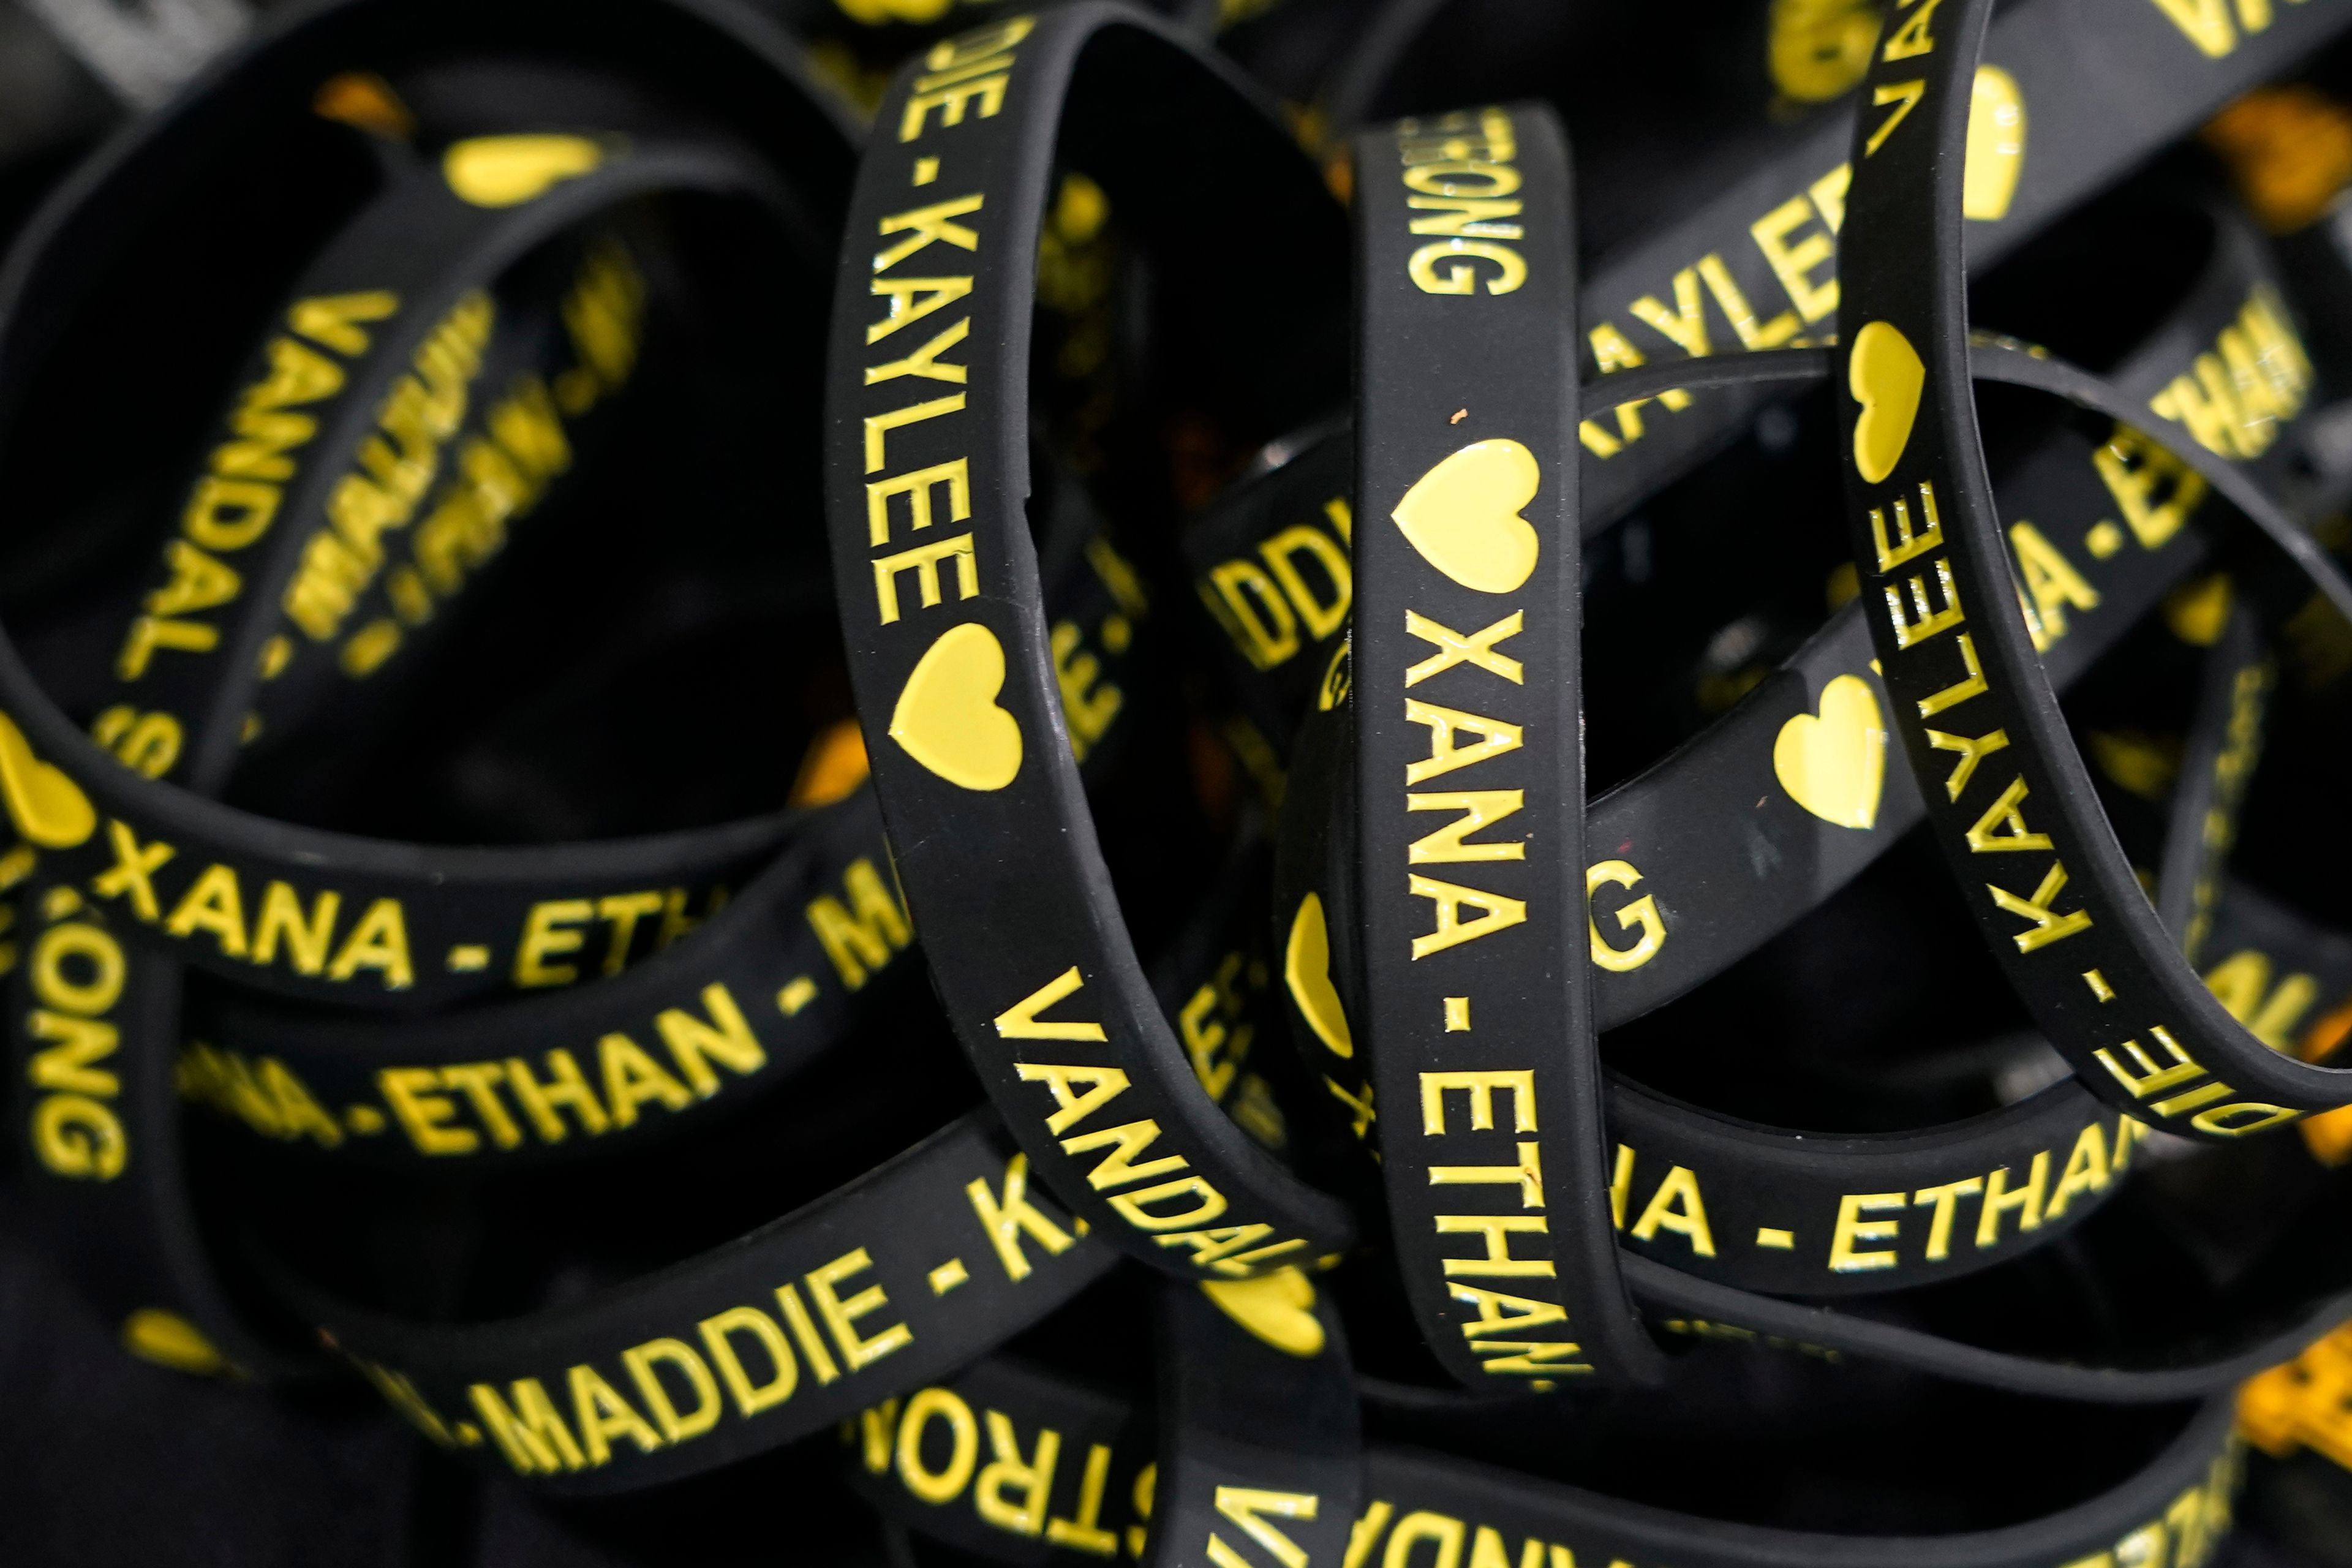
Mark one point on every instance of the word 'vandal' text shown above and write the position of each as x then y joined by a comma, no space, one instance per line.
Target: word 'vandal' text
1179,1206
237,501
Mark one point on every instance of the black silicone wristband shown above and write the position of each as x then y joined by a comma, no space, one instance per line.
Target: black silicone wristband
157,1263
952,1236
94,1021
1466,691
409,926
2094,965
764,988
2224,1356
898,1278
102,1123
947,648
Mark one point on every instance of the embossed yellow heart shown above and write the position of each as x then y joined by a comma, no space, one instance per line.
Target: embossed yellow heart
507,171
1884,375
1996,145
1835,765
1463,515
47,807
1278,1308
1307,969
948,718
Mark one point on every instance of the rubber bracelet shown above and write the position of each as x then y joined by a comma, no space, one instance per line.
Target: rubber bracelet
409,926
99,1099
93,1027
1466,689
2093,966
91,1016
1673,1205
87,990
948,651
2089,584
895,1279
765,987
2167,505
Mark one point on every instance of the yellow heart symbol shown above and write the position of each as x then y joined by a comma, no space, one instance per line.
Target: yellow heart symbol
1307,969
1835,765
1463,515
47,807
1884,375
948,718
1996,144
1278,1308
507,171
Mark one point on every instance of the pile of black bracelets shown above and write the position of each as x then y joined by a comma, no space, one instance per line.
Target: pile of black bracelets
1259,783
